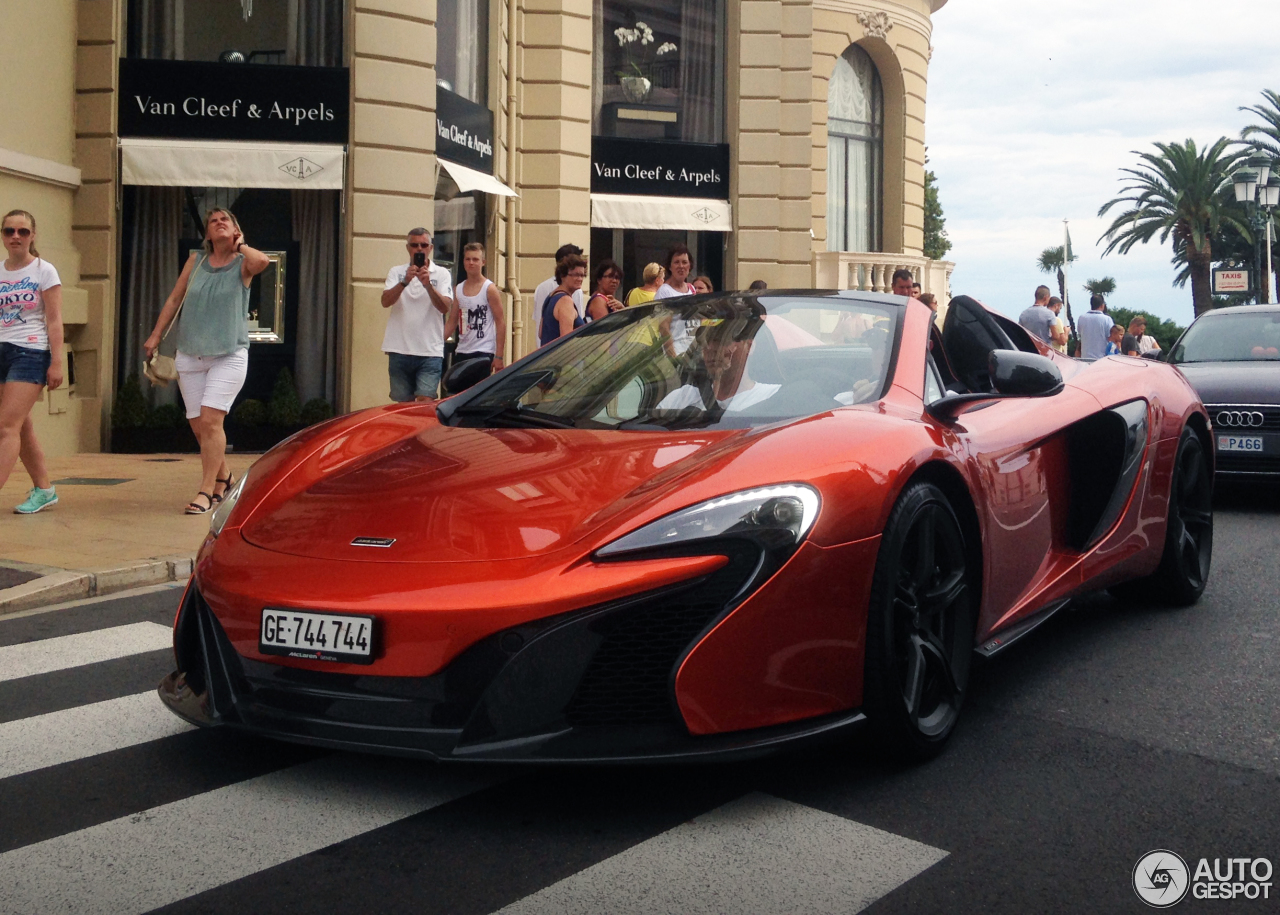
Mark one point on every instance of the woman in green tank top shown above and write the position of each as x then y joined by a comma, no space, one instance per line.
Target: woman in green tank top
213,342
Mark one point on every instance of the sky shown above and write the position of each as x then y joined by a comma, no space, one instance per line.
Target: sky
1035,107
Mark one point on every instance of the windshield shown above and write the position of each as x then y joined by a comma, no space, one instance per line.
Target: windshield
725,362
1236,337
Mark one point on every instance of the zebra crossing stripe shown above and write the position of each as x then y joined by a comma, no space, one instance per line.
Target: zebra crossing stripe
29,659
87,730
758,854
168,853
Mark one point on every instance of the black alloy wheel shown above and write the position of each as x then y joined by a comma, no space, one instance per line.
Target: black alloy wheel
920,626
1188,542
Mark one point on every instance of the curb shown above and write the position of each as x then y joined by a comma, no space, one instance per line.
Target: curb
62,586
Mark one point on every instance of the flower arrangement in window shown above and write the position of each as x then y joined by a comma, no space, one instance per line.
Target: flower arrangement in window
637,43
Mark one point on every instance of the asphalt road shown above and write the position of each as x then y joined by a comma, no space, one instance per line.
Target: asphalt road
1113,731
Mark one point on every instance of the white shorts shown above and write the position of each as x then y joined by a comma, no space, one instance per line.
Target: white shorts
211,381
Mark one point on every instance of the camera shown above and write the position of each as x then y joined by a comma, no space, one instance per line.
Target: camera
419,259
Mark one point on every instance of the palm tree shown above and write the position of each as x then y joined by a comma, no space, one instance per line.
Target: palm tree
1052,260
1179,193
1264,137
1104,286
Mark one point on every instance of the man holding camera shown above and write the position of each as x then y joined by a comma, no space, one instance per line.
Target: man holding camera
419,295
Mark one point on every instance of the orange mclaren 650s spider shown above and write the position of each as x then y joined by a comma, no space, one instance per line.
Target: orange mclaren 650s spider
703,527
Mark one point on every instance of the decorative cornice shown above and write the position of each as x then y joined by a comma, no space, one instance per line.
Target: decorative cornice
33,168
876,25
896,13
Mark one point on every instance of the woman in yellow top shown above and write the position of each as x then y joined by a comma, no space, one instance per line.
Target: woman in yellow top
653,277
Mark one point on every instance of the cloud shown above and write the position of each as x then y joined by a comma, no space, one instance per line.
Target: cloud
1034,108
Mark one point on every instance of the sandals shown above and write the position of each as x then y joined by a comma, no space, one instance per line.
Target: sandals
193,507
226,486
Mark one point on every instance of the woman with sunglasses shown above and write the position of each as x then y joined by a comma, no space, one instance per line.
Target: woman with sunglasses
30,353
605,283
559,315
213,342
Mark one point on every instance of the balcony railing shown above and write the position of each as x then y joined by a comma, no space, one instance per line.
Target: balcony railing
873,272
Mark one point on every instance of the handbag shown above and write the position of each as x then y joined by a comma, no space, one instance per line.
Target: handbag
160,370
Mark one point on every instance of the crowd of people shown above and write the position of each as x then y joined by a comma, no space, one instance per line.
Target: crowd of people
1096,334
209,307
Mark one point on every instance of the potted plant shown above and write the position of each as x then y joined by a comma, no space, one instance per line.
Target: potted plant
637,45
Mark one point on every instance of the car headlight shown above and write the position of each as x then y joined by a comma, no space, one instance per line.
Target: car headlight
223,511
775,517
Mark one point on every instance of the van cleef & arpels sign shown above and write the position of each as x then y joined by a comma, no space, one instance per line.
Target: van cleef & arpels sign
464,131
195,100
661,168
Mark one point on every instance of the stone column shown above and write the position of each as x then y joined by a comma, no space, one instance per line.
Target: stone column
91,312
553,142
772,151
391,173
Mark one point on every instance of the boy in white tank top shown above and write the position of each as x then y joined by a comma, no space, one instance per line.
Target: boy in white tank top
477,313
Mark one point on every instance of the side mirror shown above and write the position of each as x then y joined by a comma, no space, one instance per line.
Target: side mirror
464,374
1013,374
1018,374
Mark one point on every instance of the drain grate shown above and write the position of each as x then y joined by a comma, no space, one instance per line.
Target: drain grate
92,481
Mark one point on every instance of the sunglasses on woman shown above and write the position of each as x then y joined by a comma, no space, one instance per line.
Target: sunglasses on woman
20,231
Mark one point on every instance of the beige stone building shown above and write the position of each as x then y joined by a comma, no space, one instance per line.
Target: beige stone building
780,140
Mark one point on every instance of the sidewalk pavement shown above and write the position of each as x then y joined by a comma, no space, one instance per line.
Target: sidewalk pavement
118,524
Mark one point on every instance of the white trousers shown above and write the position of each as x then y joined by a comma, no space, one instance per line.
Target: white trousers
211,381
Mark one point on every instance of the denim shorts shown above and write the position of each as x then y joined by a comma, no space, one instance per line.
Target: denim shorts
414,376
19,363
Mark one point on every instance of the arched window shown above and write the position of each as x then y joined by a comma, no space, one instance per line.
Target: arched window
855,153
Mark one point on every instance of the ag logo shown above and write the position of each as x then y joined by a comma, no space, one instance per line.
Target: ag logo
1161,878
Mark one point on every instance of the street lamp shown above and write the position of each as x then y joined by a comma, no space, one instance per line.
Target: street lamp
1259,189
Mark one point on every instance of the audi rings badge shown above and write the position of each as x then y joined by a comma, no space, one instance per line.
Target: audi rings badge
1240,419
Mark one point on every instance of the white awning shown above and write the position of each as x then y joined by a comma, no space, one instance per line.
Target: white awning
224,163
468,179
626,211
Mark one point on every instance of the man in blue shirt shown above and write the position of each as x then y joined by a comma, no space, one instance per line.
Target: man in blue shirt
1094,330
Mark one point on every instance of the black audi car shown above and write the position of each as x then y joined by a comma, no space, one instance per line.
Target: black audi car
1231,356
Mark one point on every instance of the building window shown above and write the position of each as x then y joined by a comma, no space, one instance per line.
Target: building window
459,220
855,153
462,48
659,69
304,33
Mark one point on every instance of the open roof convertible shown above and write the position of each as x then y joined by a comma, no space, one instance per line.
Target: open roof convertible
704,527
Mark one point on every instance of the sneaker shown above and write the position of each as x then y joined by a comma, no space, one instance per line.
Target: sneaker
37,499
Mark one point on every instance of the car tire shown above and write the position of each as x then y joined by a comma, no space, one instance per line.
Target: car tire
920,626
1183,572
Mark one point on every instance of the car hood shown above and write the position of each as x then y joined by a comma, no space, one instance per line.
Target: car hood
1234,382
447,494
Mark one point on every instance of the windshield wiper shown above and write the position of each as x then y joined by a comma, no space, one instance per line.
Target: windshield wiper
513,415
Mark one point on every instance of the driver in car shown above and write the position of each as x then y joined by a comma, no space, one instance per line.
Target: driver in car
726,344
866,389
